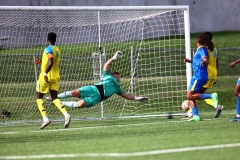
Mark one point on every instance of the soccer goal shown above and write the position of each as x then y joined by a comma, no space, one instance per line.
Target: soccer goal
154,39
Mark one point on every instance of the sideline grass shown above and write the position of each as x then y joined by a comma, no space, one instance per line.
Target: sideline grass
124,136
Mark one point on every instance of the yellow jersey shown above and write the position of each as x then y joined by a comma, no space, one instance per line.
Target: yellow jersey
53,75
212,65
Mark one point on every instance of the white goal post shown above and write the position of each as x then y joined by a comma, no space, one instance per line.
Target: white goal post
154,39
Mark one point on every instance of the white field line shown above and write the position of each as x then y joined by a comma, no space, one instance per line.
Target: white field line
96,127
133,154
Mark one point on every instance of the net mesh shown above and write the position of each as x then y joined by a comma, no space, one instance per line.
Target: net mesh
153,42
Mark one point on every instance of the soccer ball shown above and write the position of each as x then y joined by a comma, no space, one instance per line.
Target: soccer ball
186,105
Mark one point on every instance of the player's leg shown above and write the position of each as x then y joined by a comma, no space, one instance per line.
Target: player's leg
54,88
67,94
214,100
89,95
237,93
195,114
41,88
79,104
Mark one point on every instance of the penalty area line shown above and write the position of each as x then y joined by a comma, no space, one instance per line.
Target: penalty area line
133,154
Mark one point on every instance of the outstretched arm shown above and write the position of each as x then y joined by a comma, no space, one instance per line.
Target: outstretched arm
131,97
117,55
232,64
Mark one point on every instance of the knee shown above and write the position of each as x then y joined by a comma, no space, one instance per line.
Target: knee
189,96
81,104
75,93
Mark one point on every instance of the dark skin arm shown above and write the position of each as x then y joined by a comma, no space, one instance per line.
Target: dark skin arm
186,60
232,64
49,67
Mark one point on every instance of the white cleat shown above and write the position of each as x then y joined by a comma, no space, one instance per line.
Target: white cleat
45,124
67,121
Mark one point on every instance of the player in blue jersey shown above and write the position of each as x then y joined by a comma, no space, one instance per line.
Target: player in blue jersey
200,75
49,79
237,93
93,94
212,76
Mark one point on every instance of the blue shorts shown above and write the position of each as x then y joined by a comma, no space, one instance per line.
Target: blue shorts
238,81
197,84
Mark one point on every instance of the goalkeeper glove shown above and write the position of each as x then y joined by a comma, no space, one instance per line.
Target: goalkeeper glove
140,98
117,55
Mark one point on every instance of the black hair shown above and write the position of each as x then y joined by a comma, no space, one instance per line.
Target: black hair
205,41
52,37
208,34
112,73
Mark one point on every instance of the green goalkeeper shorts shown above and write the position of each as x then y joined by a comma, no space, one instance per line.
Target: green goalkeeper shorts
90,95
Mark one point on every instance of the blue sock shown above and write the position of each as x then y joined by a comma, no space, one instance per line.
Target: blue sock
206,96
65,95
70,104
238,106
194,111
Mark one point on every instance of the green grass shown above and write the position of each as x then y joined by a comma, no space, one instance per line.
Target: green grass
112,135
125,136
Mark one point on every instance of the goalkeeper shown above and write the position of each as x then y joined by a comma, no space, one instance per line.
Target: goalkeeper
93,94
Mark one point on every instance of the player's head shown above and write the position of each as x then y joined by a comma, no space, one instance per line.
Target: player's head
51,37
209,35
116,75
202,40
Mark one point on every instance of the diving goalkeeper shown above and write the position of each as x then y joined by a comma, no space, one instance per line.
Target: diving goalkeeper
93,94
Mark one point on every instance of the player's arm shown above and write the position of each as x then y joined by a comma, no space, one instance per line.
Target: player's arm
38,61
49,66
132,97
204,61
117,55
186,60
232,64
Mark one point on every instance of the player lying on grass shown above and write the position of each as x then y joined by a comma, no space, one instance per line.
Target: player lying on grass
200,75
93,94
212,76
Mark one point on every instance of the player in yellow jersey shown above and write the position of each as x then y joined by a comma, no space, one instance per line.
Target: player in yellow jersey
48,80
212,76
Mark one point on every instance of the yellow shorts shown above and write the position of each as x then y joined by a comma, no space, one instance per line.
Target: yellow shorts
209,83
44,87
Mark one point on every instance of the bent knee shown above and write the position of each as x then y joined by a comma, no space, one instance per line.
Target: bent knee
75,93
236,93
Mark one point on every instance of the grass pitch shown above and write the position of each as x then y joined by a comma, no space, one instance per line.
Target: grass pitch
138,138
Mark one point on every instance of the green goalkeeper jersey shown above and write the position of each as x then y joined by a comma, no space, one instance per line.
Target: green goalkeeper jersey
110,84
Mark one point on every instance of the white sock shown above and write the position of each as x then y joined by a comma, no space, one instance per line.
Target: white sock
45,119
65,114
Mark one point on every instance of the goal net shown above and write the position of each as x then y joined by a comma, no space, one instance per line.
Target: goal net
154,40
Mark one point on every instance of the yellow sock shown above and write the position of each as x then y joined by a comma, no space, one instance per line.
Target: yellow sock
209,101
60,106
190,110
41,107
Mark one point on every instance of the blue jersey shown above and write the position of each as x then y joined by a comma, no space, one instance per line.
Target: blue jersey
199,71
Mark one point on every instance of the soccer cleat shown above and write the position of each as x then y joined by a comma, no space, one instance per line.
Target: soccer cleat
49,98
45,124
67,121
235,119
215,99
219,111
186,118
195,118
